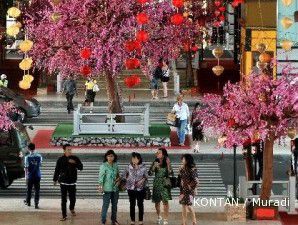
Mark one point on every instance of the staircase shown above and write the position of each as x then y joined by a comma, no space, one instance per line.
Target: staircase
210,181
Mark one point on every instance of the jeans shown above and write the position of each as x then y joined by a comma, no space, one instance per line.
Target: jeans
107,197
69,98
181,131
139,197
71,189
30,183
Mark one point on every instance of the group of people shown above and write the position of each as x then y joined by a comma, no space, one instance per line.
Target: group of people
134,179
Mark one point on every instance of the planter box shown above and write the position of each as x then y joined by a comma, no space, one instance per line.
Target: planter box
236,212
265,212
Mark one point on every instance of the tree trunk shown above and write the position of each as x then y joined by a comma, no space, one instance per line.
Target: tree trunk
115,97
267,168
189,70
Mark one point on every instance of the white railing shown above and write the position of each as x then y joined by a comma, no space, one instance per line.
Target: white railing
290,191
95,120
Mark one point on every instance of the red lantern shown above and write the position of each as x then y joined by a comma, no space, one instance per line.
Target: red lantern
194,48
142,1
178,3
142,18
132,81
132,63
217,13
142,36
85,70
216,24
85,53
177,19
234,4
132,45
217,3
222,18
222,8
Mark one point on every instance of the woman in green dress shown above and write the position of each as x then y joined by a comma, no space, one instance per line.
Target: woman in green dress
162,169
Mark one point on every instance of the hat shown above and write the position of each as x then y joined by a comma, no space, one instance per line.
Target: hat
3,76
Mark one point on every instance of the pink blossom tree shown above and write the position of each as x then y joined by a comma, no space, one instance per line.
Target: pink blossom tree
5,122
265,108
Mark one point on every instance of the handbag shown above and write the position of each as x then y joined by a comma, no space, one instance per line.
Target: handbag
95,88
171,119
171,182
148,194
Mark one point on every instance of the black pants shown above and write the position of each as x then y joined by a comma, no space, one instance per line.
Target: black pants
71,190
30,184
295,161
69,98
139,197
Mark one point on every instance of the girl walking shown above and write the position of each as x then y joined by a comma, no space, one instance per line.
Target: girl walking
188,180
165,78
162,169
197,128
109,180
136,176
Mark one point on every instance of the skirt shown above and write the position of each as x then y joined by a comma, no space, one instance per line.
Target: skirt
90,95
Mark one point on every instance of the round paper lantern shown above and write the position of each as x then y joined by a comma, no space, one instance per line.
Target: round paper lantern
217,52
178,3
12,30
142,36
222,18
217,13
177,19
287,2
234,4
14,12
132,81
132,45
26,45
85,70
222,8
261,47
291,132
264,57
132,63
286,22
26,64
261,65
28,78
85,53
218,70
286,45
142,1
142,18
24,85
217,3
194,48
55,17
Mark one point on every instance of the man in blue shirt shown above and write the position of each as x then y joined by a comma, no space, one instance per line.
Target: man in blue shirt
32,170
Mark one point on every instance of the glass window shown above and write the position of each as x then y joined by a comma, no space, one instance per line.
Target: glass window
23,137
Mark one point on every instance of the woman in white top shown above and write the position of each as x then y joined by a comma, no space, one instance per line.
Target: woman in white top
182,112
165,78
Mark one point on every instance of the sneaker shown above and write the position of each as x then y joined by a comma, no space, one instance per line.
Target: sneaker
73,213
36,207
159,220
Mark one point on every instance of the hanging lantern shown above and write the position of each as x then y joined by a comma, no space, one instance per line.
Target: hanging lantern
56,2
261,65
85,70
14,12
261,47
132,45
24,85
222,8
234,4
217,13
222,18
142,18
26,45
286,45
217,3
217,52
178,3
132,63
265,57
55,17
286,22
28,78
142,36
142,1
218,70
194,48
177,19
85,53
132,81
26,64
291,132
12,30
287,2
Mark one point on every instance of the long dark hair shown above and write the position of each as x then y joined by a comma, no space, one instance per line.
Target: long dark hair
165,157
190,164
110,152
196,105
138,156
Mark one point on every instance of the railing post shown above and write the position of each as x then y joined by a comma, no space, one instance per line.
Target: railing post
292,195
242,187
146,120
76,120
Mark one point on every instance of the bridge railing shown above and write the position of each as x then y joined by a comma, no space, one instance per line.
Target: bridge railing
96,120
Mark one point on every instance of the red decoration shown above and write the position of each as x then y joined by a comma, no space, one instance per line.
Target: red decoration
217,13
186,46
231,123
142,1
234,4
177,19
222,18
217,3
194,48
178,3
132,81
85,70
132,45
217,24
132,63
85,53
222,8
142,36
142,18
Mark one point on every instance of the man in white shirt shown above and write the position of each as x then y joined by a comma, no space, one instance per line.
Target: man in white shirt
182,112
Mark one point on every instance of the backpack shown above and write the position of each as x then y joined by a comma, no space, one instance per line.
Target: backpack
95,88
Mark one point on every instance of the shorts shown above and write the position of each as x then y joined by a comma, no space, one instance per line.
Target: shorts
154,84
165,79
